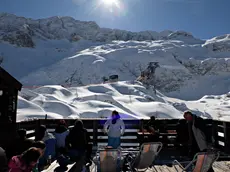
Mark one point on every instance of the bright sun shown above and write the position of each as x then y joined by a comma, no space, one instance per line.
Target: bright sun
110,2
113,6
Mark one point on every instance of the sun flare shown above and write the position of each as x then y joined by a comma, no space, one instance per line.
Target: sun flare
110,2
114,7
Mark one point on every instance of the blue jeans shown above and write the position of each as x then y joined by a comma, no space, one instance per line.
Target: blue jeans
114,142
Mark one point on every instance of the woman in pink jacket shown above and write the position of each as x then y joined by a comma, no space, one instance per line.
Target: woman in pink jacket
24,162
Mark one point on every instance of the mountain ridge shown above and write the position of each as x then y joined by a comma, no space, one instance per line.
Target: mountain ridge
14,28
48,51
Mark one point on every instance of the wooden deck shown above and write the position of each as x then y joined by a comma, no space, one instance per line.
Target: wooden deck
217,166
222,166
219,134
167,156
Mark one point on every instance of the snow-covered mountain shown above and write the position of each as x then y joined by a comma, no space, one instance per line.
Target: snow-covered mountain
130,99
62,50
22,31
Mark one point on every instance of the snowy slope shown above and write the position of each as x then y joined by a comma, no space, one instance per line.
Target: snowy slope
131,99
65,51
191,69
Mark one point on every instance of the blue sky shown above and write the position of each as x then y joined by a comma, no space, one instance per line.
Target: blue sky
203,18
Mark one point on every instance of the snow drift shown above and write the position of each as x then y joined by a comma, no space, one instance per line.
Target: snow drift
130,99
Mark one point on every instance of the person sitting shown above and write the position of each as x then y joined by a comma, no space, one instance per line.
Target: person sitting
61,132
3,161
115,128
152,128
50,141
151,125
77,141
41,146
22,145
24,162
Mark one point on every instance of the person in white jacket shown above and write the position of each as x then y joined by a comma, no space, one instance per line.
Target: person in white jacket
114,127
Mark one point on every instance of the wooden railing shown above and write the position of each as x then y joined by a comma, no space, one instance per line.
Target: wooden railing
221,135
93,126
219,131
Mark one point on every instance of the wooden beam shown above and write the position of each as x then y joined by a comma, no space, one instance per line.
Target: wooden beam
227,136
95,132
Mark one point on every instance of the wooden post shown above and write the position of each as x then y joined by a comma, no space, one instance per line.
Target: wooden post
141,128
215,134
45,121
226,136
38,123
95,133
141,124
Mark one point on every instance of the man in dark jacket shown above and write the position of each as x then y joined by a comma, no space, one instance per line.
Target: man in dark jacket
77,141
3,161
197,133
198,128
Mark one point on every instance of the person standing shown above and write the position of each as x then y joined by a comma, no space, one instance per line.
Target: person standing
115,128
78,144
61,132
77,140
197,133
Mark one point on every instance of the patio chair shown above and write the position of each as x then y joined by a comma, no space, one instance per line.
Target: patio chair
203,162
146,156
109,160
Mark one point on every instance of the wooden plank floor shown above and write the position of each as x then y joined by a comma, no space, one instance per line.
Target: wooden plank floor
217,166
54,167
222,166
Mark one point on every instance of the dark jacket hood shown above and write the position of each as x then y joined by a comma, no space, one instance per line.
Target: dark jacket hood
61,129
78,125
